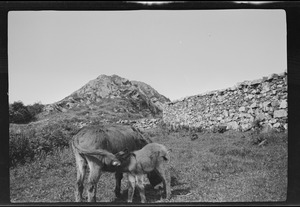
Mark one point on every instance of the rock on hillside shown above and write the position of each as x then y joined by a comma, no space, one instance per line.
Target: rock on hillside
150,92
128,96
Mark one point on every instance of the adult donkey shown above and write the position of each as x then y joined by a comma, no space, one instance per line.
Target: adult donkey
96,146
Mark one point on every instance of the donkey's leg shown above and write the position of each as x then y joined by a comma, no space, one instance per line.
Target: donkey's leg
118,176
93,178
81,165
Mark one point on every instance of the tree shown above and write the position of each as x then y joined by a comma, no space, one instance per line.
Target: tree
35,109
18,113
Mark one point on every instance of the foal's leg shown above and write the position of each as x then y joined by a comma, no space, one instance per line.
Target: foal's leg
141,188
165,175
131,187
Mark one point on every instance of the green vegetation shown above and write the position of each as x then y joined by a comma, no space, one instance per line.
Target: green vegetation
21,114
215,167
30,141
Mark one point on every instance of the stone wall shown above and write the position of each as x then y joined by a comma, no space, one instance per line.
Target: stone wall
262,101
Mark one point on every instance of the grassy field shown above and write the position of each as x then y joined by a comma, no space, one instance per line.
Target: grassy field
215,167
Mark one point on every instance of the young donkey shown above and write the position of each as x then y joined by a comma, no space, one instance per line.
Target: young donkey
152,156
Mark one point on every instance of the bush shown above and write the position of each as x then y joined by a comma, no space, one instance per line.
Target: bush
21,114
219,129
261,137
35,109
29,142
18,113
20,149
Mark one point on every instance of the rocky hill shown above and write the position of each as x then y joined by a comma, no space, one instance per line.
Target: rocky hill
262,101
113,95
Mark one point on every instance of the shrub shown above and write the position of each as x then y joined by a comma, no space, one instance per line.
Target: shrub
35,109
36,141
20,149
21,114
261,137
18,113
219,129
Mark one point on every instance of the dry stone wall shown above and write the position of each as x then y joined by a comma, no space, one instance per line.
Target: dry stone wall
262,101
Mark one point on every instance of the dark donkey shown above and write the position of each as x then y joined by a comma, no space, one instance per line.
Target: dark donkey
96,147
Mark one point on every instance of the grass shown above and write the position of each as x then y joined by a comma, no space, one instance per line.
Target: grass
216,167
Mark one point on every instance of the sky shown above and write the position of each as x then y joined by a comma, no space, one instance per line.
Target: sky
179,53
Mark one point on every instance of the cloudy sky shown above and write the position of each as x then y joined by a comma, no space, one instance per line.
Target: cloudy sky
179,53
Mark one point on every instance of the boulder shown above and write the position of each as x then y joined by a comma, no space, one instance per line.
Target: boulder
272,76
246,127
280,113
276,125
242,109
253,105
275,103
250,111
254,92
260,116
233,125
256,82
283,104
266,87
250,96
266,103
